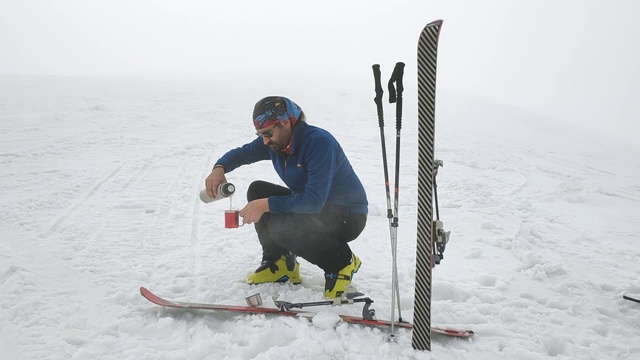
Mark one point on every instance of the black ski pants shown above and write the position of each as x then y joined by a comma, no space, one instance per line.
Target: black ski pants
322,238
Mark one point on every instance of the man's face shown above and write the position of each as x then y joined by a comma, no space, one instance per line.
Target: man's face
278,136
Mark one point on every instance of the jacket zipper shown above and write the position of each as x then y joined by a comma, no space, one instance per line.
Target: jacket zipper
285,169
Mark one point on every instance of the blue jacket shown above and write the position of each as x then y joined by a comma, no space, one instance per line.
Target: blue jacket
317,171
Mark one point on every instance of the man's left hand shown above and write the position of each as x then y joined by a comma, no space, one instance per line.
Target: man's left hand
254,211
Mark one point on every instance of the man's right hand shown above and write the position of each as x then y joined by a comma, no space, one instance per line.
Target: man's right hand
214,180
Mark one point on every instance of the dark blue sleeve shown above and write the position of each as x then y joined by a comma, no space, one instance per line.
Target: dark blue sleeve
247,154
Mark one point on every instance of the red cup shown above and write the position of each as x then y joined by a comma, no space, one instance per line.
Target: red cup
231,219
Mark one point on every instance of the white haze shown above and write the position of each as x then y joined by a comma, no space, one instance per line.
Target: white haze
574,61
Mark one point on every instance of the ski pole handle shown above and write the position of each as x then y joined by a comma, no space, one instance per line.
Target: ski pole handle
399,90
379,93
395,93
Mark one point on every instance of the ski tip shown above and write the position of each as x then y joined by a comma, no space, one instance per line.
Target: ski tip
435,23
155,298
145,292
434,26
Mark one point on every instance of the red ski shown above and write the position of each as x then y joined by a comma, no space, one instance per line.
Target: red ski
292,313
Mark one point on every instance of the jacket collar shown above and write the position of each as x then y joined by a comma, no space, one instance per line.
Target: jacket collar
296,137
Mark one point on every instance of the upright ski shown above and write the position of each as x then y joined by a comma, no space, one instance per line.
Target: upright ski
427,60
283,311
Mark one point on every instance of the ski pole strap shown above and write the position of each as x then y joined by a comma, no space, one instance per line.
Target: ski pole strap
379,93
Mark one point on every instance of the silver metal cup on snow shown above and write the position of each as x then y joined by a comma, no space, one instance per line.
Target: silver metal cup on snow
254,300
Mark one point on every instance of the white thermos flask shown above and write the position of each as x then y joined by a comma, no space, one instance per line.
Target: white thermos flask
224,190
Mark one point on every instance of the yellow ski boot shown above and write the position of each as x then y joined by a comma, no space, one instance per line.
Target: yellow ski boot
335,285
286,268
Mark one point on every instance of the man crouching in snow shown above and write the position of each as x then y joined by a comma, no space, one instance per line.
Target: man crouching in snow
322,209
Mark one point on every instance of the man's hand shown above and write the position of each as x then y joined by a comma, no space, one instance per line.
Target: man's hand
254,211
214,180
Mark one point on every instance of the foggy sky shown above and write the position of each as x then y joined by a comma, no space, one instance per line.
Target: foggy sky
575,61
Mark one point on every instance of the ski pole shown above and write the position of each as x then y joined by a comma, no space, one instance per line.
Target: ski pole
395,96
378,101
630,298
395,292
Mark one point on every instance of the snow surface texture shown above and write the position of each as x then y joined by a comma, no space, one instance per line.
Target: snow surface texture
99,189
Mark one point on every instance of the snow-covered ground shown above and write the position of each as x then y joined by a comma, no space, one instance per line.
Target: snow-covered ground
99,190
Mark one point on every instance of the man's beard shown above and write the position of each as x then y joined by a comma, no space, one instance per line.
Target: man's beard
275,146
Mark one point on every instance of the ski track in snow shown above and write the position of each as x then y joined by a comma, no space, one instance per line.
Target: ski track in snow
100,182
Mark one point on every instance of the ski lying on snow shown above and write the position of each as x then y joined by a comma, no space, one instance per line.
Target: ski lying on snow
630,298
292,313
